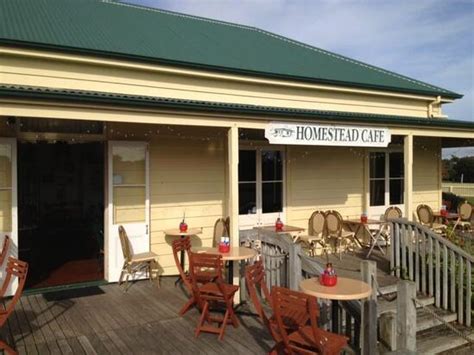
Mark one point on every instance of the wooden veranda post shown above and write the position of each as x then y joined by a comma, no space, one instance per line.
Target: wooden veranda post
408,173
233,189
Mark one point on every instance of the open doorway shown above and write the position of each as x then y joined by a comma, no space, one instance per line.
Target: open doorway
61,212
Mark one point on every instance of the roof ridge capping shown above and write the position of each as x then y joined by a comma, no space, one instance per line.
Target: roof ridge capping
283,38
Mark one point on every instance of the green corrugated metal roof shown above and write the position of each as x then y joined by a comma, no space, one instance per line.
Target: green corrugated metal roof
264,112
112,28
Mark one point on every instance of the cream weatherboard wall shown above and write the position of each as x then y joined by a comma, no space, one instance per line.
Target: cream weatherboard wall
36,68
324,178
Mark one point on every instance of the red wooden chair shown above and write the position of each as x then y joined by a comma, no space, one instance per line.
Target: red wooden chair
180,245
6,246
255,278
18,269
289,307
216,293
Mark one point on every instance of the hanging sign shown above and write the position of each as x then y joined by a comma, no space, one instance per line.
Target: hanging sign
331,135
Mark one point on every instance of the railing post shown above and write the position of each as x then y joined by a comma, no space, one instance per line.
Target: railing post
295,272
369,327
368,271
406,316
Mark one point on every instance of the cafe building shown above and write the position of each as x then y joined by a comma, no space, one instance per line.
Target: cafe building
113,114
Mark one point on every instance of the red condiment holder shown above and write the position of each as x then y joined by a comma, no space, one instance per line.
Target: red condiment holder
183,227
223,248
363,218
328,280
443,212
279,225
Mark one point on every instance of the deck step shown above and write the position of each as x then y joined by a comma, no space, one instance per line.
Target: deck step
388,289
425,320
384,306
440,339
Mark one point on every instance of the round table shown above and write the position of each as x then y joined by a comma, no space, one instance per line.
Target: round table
234,254
345,290
177,233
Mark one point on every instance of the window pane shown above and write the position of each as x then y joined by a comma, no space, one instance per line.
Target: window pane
377,165
396,191
247,165
272,165
396,165
129,165
272,197
247,198
129,204
377,192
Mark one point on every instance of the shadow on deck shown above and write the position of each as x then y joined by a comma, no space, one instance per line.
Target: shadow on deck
349,266
102,320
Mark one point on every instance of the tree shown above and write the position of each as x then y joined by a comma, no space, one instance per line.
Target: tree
455,168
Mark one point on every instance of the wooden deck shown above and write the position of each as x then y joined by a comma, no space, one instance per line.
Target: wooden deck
102,320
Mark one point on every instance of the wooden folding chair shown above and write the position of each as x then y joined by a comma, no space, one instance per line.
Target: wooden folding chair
134,263
289,308
255,278
5,248
426,217
215,293
334,225
220,229
15,269
184,245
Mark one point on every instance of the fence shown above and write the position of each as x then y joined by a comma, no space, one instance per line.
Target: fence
286,265
460,189
438,267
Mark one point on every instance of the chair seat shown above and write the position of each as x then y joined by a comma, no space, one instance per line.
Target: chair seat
311,238
329,341
147,256
213,289
438,226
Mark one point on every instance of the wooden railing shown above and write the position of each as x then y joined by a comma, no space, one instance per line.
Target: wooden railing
286,265
438,267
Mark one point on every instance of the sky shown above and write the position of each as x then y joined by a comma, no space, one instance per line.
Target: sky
429,40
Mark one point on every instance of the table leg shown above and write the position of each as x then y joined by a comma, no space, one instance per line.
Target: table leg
374,241
182,265
335,316
230,273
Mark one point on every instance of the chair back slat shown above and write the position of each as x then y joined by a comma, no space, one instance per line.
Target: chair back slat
182,245
125,243
15,269
465,211
392,212
317,224
5,248
425,214
220,230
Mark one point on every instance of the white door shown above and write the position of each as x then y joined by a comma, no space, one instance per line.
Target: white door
261,186
129,202
8,199
386,182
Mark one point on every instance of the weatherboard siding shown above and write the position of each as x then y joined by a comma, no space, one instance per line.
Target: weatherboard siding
62,74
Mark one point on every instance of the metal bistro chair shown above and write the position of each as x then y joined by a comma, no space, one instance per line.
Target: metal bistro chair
317,233
465,211
342,238
220,229
6,246
212,293
134,263
15,269
426,218
289,306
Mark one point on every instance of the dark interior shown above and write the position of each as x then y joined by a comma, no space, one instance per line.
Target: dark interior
60,212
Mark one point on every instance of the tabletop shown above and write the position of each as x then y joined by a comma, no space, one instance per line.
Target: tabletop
177,233
286,229
447,216
235,253
345,289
